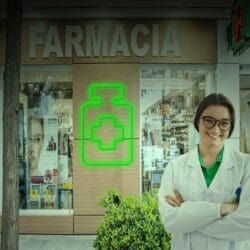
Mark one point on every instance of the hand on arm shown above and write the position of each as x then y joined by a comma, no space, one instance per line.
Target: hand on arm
180,216
225,221
174,201
228,208
235,225
177,200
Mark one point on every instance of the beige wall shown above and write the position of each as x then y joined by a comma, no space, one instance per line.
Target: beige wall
89,183
45,224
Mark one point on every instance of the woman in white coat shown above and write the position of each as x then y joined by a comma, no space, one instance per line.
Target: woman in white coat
204,198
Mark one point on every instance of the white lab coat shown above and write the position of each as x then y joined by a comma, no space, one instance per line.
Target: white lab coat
197,224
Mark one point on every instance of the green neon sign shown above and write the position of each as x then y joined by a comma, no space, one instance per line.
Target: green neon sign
106,110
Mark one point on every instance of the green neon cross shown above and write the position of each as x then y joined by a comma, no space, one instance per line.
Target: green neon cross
110,143
92,132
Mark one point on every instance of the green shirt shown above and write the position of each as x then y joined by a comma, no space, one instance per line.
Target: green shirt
210,172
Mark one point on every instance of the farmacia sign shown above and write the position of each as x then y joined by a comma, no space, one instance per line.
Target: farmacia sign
104,40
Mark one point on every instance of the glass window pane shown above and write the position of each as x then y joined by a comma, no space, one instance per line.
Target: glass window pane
45,137
245,120
169,97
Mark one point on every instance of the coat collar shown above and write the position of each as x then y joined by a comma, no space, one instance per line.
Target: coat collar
227,161
227,164
196,172
193,162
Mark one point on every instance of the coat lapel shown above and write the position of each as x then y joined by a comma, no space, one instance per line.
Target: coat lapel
194,165
227,164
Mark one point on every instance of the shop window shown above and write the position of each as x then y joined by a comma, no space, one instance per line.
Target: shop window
45,138
169,97
245,119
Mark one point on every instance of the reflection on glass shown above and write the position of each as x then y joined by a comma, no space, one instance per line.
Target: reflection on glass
245,121
169,96
46,138
36,137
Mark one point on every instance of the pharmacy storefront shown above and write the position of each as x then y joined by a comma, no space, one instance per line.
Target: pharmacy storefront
104,104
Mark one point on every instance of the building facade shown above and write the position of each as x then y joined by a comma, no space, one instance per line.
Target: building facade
108,103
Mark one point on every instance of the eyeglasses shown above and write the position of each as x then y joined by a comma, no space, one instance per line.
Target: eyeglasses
209,122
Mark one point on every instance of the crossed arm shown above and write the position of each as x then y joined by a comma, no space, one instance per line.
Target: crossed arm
221,220
176,201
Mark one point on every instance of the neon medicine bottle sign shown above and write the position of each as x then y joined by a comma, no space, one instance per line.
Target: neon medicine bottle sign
106,127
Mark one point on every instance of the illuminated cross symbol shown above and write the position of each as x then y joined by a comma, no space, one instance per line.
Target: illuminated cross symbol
239,24
107,123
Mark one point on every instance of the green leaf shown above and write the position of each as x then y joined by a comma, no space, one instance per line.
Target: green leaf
131,223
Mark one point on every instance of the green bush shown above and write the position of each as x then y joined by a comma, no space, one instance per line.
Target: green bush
131,223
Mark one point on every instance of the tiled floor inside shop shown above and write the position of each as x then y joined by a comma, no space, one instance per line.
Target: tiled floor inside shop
56,242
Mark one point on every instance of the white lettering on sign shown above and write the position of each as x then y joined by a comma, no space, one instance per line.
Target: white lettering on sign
96,42
155,40
137,29
104,41
170,42
52,44
73,39
36,39
119,43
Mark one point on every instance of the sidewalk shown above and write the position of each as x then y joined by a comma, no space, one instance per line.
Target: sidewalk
56,242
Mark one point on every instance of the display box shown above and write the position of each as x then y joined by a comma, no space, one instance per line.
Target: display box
65,198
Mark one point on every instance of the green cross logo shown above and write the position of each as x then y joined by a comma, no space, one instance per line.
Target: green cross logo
106,127
110,143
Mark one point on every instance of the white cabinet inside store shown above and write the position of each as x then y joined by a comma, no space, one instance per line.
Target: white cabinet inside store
245,109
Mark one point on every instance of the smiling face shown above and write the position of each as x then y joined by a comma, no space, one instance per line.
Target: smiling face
213,137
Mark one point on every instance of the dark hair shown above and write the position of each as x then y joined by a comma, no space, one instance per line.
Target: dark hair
215,99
